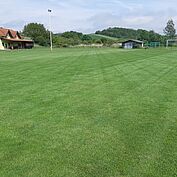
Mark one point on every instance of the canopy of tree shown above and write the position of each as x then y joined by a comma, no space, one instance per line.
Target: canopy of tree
38,33
170,30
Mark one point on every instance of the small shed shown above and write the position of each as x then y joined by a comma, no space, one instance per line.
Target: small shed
132,43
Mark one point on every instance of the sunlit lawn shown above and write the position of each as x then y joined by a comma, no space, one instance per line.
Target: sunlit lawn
88,113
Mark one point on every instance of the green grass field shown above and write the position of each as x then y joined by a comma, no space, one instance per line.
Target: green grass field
88,113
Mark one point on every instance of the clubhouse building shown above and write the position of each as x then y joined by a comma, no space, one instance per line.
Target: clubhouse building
10,39
132,43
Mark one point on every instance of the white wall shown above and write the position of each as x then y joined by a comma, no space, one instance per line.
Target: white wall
1,46
128,45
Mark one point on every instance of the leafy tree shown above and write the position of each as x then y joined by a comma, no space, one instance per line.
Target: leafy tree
41,41
60,41
170,30
86,38
119,32
142,35
98,41
73,35
38,33
107,42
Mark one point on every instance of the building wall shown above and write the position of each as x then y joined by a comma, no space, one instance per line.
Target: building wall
128,45
8,36
17,37
131,45
1,46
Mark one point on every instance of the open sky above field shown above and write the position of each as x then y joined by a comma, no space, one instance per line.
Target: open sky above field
89,16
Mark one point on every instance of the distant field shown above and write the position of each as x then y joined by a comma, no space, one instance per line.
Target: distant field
99,36
88,113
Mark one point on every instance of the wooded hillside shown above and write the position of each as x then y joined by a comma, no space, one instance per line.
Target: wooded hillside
139,34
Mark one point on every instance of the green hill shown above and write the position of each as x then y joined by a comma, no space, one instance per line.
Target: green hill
99,36
125,33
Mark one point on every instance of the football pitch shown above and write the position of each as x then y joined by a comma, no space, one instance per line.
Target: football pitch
88,113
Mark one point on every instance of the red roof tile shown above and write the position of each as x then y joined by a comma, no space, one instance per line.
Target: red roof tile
4,32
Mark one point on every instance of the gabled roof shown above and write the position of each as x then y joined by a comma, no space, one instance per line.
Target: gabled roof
133,40
4,32
13,33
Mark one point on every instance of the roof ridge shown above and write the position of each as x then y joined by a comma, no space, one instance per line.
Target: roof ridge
4,31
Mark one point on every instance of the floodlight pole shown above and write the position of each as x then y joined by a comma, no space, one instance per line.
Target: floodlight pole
50,29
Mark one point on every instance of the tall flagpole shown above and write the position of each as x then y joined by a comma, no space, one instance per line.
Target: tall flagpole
50,26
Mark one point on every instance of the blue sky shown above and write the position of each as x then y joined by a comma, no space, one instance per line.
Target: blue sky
89,15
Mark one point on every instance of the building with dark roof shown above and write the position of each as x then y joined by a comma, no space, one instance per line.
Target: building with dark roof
132,43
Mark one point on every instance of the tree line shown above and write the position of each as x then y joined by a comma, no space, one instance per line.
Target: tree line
139,34
40,35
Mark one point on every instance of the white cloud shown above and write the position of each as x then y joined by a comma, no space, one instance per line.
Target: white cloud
139,20
88,16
